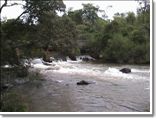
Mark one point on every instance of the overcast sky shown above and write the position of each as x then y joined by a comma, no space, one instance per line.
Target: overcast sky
117,6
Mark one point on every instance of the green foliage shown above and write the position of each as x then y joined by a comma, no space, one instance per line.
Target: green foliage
12,102
118,49
123,40
89,13
37,8
76,16
16,35
131,18
58,33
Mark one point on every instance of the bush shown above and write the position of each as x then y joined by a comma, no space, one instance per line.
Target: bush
117,50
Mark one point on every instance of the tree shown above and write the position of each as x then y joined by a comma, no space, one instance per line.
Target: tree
121,40
117,49
5,4
57,33
15,42
20,35
130,18
33,9
89,13
36,8
76,16
125,39
144,6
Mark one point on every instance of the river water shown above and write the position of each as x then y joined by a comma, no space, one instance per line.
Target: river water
110,90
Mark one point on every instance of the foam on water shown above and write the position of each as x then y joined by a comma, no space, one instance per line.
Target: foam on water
141,70
79,68
116,73
37,61
40,66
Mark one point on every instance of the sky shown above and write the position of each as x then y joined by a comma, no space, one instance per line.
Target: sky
110,7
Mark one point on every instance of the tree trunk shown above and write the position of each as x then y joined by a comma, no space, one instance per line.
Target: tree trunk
5,4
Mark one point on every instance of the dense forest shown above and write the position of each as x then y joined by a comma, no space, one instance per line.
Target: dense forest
40,30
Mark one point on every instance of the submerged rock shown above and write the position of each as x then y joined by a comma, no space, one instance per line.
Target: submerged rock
83,82
125,70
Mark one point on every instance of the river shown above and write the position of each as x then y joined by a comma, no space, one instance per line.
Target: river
110,90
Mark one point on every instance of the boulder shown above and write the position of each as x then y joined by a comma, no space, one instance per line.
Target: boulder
72,57
83,82
125,70
86,59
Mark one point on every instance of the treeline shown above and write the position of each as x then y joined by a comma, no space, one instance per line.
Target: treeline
126,39
40,30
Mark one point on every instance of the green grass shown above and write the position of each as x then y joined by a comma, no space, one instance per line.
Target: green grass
12,102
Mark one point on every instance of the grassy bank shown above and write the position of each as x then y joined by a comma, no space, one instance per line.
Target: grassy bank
11,78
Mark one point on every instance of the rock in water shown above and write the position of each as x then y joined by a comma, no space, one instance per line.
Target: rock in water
72,57
86,59
83,82
125,70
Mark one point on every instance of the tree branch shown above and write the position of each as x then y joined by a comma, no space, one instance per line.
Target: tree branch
13,4
4,5
20,15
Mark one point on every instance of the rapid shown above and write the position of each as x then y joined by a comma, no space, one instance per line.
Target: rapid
109,90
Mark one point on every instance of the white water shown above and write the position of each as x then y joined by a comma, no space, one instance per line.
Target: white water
110,90
100,71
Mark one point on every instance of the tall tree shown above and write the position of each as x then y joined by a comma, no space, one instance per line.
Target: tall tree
89,13
130,18
6,4
57,33
36,8
17,39
76,16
